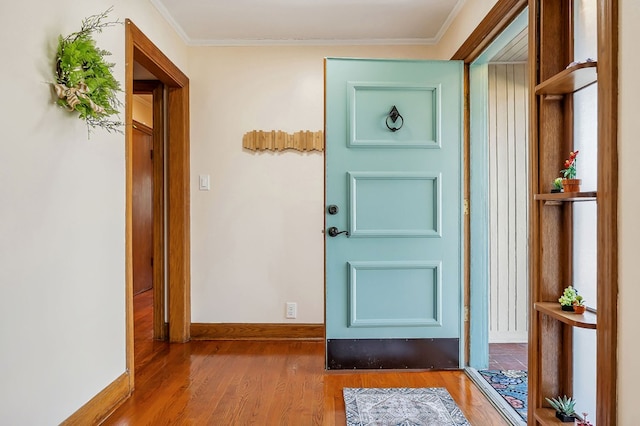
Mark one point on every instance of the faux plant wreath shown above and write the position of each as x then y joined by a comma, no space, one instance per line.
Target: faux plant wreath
84,82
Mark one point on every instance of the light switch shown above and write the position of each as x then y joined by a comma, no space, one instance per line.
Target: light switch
204,183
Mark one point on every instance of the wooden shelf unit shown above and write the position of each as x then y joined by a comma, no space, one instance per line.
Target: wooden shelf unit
587,320
567,196
569,80
552,85
547,416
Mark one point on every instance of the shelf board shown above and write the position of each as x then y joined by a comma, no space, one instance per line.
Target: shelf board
559,197
553,309
547,416
570,80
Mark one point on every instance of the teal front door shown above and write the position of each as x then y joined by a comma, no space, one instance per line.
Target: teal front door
393,211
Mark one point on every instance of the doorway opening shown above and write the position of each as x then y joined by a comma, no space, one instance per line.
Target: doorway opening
508,135
169,89
499,187
148,203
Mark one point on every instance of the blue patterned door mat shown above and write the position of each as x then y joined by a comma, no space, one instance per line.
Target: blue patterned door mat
506,389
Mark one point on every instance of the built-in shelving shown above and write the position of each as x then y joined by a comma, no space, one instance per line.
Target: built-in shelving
561,197
570,80
587,320
547,416
553,31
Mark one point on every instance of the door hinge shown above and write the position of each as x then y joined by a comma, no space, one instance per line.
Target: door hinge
151,153
152,261
466,207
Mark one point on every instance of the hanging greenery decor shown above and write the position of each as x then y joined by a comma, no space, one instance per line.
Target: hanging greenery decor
84,82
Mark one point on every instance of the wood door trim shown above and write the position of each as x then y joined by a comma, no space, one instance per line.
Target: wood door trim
498,18
140,49
496,21
156,89
607,275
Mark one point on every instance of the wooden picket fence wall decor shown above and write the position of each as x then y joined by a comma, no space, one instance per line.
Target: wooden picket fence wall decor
276,140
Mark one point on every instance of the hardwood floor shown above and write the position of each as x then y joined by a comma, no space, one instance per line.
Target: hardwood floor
260,383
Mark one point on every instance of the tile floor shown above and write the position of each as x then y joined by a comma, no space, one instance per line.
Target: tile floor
508,356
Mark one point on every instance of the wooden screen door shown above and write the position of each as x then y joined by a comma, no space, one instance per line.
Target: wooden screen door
393,236
142,208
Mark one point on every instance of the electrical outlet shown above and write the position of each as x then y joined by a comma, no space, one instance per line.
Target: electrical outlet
292,310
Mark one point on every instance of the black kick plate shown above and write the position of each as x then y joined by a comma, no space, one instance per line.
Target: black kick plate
430,354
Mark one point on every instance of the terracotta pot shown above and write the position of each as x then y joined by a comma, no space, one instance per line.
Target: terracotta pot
579,309
571,185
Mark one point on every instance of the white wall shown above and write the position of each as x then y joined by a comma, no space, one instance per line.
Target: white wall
62,303
257,237
629,211
472,12
585,214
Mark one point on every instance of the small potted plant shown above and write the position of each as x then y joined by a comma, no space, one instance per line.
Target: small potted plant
565,408
570,183
557,185
578,305
568,299
584,421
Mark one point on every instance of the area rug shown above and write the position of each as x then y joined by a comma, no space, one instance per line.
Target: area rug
507,389
401,407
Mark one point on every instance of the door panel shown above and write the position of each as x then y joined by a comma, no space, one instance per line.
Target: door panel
366,114
142,208
393,278
394,204
414,300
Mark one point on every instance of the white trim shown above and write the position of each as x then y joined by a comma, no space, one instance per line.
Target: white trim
306,42
313,42
169,18
447,23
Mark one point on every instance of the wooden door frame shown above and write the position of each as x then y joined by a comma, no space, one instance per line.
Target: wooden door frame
155,88
140,49
496,21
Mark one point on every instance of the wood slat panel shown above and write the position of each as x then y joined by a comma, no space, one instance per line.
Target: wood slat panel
508,170
276,140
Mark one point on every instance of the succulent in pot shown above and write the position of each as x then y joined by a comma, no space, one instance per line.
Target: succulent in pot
565,408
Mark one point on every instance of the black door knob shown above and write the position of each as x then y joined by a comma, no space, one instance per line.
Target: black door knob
334,232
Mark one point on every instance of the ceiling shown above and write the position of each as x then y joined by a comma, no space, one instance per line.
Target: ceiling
269,22
259,22
517,50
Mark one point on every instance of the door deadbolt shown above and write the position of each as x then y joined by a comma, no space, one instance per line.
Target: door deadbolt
332,209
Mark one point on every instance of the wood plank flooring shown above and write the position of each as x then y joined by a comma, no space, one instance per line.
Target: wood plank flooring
260,383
